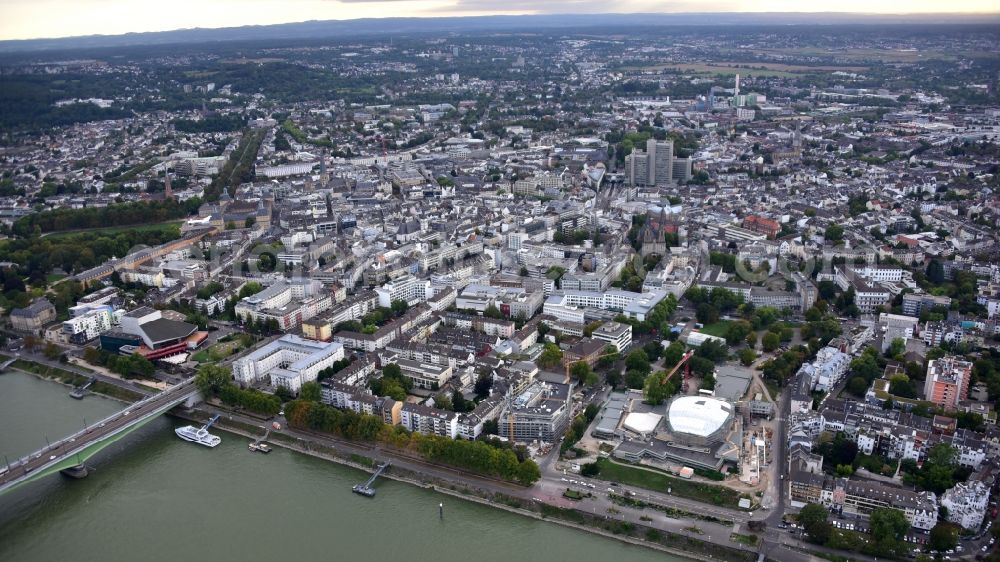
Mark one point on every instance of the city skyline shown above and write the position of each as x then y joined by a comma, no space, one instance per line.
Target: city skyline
25,19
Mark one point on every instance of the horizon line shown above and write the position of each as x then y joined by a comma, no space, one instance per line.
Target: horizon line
995,13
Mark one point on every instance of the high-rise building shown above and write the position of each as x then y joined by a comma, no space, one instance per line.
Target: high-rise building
656,165
947,381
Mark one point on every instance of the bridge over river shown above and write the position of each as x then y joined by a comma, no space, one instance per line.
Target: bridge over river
71,452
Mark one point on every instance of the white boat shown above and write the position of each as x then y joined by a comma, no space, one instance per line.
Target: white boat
198,435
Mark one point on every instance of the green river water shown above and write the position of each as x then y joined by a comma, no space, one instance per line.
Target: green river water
154,497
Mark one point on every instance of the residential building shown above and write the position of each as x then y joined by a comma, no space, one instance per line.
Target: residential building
966,503
947,381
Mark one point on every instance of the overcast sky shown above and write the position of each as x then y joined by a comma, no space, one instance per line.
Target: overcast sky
26,19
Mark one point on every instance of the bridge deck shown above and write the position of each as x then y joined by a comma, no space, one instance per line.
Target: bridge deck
76,448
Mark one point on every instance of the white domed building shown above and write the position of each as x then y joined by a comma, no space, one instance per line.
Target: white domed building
698,419
700,431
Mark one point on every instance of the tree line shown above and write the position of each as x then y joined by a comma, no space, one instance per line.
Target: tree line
120,214
215,381
482,457
37,257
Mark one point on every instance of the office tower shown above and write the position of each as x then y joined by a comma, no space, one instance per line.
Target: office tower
656,165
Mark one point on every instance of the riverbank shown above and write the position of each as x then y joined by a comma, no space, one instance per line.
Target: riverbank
73,380
627,532
493,493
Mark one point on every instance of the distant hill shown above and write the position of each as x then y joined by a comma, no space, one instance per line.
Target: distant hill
394,26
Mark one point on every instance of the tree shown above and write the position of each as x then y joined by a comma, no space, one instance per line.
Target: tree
492,312
943,537
738,332
550,357
935,272
857,386
51,351
591,412
707,313
813,518
770,341
613,378
635,379
747,356
609,356
491,427
528,472
834,232
590,470
888,527
581,371
459,403
896,348
483,385
398,307
392,371
31,342
387,386
443,402
673,354
310,391
637,361
713,350
657,388
211,379
866,365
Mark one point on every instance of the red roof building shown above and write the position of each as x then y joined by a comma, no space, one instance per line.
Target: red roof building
762,225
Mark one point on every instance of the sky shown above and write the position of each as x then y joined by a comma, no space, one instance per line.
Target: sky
29,19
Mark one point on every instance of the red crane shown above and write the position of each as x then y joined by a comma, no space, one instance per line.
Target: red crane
687,366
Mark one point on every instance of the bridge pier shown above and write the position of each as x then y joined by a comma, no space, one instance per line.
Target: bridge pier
193,400
79,471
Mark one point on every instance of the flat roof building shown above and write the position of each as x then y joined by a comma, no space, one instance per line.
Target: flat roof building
290,361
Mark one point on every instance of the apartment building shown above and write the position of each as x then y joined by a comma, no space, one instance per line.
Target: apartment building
430,376
539,413
947,381
424,419
861,497
966,503
88,322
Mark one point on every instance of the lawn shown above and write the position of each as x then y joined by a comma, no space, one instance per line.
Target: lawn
718,329
218,351
116,229
661,482
749,540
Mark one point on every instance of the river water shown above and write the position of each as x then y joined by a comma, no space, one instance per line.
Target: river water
154,497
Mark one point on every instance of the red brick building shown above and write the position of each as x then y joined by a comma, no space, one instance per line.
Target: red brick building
761,225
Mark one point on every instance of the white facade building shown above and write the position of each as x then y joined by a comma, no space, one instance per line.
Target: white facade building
290,361
967,503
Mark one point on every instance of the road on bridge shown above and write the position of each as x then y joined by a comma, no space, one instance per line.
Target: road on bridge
93,434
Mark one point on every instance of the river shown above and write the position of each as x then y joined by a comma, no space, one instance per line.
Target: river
154,497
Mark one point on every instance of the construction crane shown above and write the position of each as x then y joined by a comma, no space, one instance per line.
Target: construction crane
687,367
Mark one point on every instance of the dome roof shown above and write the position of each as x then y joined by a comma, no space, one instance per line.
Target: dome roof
698,415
